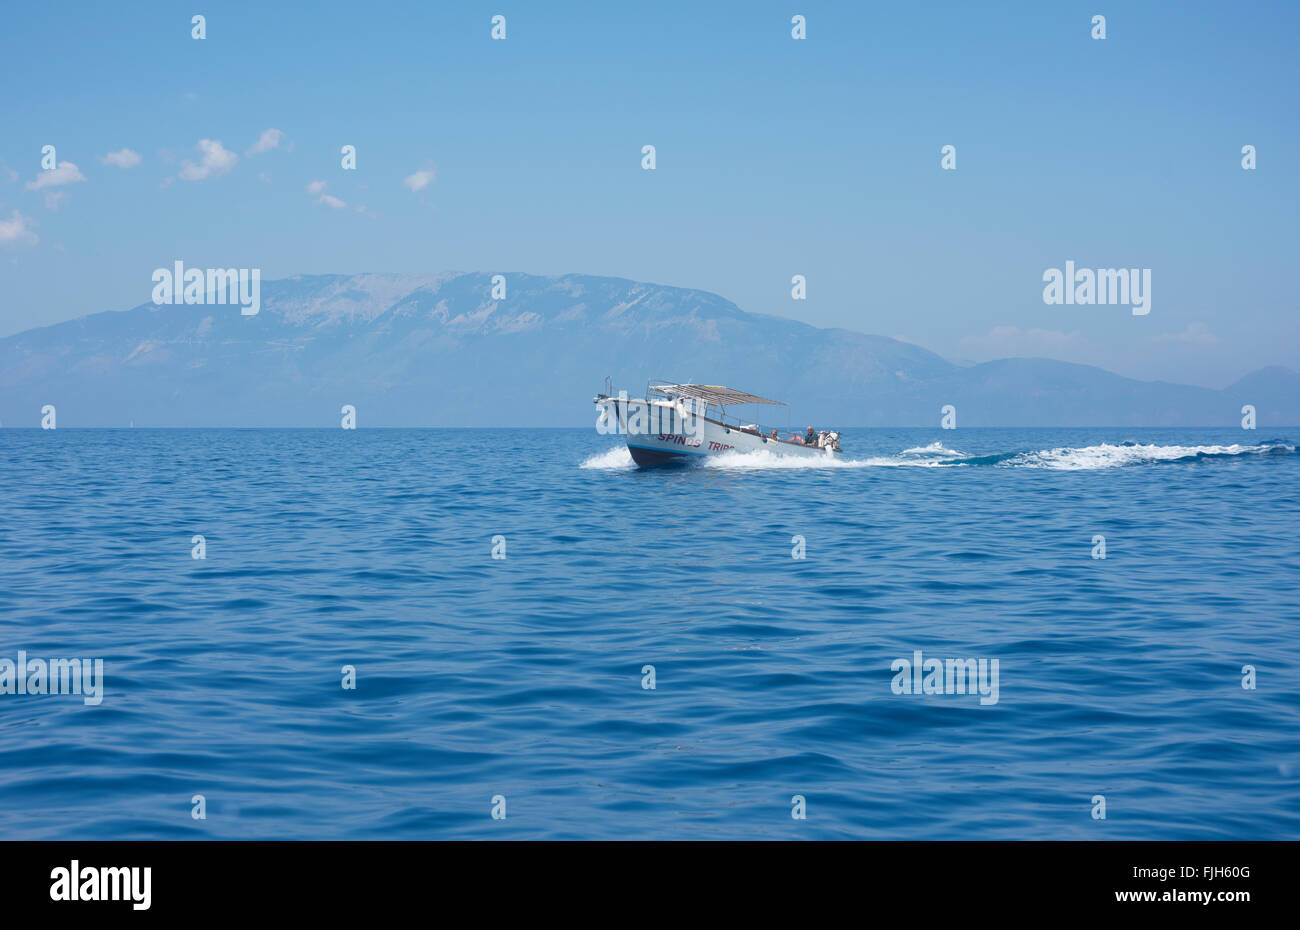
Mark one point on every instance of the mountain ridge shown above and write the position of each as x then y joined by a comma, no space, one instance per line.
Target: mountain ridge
436,350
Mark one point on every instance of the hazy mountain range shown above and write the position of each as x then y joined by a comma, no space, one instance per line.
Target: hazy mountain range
435,350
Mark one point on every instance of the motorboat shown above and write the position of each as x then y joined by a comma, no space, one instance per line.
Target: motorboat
678,423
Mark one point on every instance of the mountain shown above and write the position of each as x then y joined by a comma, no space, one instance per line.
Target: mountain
435,350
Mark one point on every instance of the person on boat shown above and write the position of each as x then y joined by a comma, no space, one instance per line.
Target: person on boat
774,435
796,439
810,437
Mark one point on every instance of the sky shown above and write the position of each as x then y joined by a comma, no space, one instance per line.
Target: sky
775,157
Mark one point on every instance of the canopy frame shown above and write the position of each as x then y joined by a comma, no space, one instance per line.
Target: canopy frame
713,394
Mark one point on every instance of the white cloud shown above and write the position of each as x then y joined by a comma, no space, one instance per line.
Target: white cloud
420,179
17,230
329,200
65,173
54,199
124,158
1012,340
1195,333
268,140
216,161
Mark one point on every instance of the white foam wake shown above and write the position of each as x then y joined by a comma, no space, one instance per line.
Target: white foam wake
934,448
762,459
617,458
1107,455
936,455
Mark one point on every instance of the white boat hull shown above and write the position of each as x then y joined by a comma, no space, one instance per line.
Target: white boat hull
672,440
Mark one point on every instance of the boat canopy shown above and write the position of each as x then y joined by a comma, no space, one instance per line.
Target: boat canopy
715,394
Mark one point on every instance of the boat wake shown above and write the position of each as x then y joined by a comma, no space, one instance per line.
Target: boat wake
1108,455
769,460
936,455
615,459
934,448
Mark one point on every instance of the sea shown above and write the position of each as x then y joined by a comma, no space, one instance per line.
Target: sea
517,634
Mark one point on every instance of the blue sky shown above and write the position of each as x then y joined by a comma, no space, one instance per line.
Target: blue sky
775,157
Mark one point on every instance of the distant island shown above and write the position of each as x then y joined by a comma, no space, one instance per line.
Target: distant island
438,350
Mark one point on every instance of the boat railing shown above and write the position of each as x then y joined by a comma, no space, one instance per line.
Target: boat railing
733,421
656,393
719,415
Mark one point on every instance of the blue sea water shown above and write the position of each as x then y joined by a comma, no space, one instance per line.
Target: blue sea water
523,677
